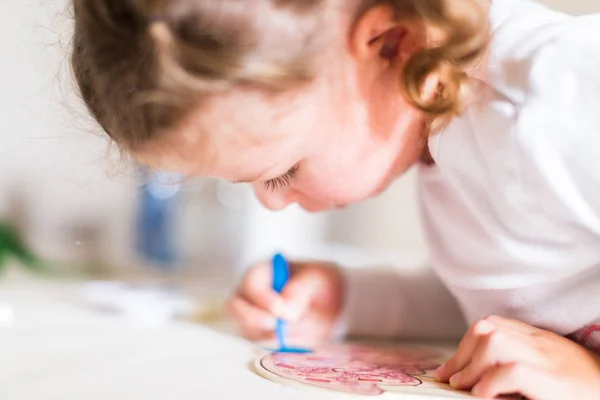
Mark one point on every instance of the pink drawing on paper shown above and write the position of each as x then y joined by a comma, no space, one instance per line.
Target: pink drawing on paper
354,369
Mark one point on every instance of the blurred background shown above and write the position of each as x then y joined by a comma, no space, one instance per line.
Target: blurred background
72,198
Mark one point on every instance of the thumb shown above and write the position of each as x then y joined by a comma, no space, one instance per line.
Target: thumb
299,293
256,289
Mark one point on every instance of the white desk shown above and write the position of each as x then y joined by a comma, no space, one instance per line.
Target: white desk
59,349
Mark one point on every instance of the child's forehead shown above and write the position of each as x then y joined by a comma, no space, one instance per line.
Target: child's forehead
231,132
249,117
234,164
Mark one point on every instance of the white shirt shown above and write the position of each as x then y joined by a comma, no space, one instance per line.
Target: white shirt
512,207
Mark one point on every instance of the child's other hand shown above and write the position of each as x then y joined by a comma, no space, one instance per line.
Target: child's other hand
502,357
310,302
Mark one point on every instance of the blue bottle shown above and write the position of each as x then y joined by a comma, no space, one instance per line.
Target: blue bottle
159,207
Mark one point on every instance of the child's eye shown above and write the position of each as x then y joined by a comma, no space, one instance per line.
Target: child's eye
283,181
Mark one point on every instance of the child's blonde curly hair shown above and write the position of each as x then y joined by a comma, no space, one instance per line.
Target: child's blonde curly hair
143,65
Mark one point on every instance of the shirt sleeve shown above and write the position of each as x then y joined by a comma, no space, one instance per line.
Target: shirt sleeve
395,303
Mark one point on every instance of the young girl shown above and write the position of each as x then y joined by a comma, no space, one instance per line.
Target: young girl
325,102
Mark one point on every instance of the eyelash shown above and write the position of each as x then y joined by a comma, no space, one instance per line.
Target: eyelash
283,181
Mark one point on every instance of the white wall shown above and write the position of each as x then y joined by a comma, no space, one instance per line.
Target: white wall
575,6
54,176
58,182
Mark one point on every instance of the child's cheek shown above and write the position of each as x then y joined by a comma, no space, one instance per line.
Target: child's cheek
330,193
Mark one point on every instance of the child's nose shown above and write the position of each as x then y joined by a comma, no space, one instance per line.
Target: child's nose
276,200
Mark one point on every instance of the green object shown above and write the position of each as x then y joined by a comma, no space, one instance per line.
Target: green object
12,246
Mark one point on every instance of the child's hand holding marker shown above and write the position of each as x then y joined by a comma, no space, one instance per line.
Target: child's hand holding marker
310,302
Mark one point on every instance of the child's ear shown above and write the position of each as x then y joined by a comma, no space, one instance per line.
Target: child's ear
376,34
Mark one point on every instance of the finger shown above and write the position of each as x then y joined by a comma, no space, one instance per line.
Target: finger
485,356
498,347
512,324
516,378
252,321
300,292
256,289
307,333
465,350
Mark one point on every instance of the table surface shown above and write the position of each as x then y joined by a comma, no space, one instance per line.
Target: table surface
58,348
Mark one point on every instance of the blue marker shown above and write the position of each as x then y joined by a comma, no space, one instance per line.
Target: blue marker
281,275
